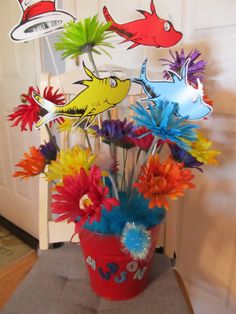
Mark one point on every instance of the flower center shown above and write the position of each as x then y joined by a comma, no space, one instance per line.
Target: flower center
85,201
159,185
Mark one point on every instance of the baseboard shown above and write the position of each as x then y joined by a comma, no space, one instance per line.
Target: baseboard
159,250
19,233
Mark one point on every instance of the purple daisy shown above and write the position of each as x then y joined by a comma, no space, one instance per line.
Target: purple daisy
115,130
195,69
181,155
49,151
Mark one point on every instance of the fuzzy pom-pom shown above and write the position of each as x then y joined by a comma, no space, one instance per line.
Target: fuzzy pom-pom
136,240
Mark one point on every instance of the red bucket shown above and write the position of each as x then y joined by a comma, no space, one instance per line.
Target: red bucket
115,275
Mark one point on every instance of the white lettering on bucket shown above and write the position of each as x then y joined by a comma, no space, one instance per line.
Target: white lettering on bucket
132,267
91,262
139,274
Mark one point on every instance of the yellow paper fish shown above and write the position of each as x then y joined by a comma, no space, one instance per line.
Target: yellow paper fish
100,95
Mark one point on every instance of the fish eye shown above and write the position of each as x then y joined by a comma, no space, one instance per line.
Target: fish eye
167,26
113,82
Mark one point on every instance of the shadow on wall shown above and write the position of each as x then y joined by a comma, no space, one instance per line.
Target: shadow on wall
206,257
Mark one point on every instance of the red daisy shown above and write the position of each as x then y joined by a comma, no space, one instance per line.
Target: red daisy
82,196
26,114
29,113
144,142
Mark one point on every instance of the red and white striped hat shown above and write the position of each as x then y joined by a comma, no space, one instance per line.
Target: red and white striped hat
39,18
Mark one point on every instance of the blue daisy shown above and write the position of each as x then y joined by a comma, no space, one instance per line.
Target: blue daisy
162,122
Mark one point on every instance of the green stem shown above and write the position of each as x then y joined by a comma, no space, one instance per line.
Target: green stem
52,138
160,149
91,59
114,186
151,149
133,173
113,154
47,176
87,139
123,182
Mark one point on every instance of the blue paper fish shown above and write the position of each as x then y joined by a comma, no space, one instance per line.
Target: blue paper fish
178,90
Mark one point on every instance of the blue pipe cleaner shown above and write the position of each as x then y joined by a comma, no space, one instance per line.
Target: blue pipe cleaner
134,211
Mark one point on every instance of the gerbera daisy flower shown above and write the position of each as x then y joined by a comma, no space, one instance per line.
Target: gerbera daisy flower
27,114
159,181
195,68
119,132
162,122
181,155
200,149
66,125
115,130
82,197
143,139
88,36
69,162
49,150
32,165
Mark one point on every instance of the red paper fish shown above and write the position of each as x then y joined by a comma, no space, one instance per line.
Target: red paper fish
150,31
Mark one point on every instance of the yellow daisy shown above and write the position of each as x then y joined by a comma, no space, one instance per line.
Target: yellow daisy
202,152
66,126
69,162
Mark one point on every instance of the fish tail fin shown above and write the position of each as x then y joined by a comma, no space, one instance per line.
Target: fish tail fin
45,119
47,105
143,73
108,17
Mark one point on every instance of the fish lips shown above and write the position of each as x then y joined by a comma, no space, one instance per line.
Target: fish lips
136,80
195,111
171,40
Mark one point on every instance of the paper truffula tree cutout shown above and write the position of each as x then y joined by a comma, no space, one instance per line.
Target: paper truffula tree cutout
100,95
149,31
39,18
190,100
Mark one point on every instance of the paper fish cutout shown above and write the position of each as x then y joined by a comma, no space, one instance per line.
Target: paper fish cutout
100,95
149,31
39,18
178,90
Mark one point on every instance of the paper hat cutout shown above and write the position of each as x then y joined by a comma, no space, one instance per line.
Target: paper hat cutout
149,31
39,18
178,90
100,95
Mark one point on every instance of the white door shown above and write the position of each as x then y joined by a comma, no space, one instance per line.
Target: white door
205,222
18,61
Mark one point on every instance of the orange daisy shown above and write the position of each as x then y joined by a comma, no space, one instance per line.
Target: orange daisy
32,165
159,181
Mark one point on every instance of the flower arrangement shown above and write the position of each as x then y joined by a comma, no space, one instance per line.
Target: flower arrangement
105,194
